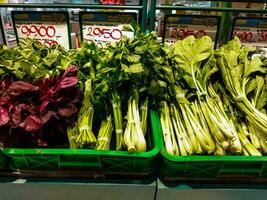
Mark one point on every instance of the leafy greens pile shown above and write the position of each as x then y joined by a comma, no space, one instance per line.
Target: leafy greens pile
217,103
209,101
115,86
37,95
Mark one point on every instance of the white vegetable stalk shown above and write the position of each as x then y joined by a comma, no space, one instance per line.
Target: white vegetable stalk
73,132
196,147
104,135
168,134
263,141
246,143
221,120
215,131
129,142
174,141
219,151
254,136
245,152
140,143
182,132
85,119
236,142
204,138
184,135
181,150
199,116
133,136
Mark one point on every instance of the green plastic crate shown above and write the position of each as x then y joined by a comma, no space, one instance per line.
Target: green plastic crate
3,160
105,162
172,168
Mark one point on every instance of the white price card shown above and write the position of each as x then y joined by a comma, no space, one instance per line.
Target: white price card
252,31
178,27
105,27
49,28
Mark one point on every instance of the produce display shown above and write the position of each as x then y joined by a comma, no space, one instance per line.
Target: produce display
209,101
86,98
217,103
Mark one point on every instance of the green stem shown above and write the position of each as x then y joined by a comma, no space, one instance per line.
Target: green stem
144,112
117,115
104,135
72,136
85,119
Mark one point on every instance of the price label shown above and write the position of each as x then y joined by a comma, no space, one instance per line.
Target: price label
2,32
48,28
251,31
178,27
105,27
112,2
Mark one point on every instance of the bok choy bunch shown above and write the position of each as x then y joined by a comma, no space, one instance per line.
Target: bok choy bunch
241,73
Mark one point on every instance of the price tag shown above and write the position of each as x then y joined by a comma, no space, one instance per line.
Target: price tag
112,2
251,31
2,32
105,27
178,27
50,28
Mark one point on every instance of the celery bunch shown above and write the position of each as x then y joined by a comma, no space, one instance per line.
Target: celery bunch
134,136
105,134
86,136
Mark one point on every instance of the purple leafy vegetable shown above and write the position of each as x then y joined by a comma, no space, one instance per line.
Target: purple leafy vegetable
19,87
4,116
36,113
32,123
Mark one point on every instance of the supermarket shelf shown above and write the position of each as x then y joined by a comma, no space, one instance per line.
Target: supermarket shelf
67,5
69,191
76,176
217,183
239,10
25,189
232,181
185,192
